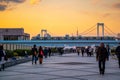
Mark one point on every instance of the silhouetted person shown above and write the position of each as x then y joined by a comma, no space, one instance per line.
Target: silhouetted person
49,52
61,51
78,51
118,54
108,50
34,54
40,55
3,58
82,50
87,51
45,52
90,51
102,56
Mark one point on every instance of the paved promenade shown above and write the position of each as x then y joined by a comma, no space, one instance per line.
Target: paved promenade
66,67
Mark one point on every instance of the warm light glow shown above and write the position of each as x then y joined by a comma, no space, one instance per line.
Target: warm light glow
34,1
60,17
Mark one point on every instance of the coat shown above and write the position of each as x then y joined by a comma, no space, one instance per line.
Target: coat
3,57
118,51
1,54
102,54
34,51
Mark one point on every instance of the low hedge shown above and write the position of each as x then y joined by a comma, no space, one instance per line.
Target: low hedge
18,52
21,52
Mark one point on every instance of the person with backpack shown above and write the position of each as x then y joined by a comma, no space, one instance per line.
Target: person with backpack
101,57
118,54
40,55
34,54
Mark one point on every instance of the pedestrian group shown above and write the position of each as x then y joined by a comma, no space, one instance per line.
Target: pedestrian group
102,55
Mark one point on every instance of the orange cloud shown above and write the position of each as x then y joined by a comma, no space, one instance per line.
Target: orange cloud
106,15
96,1
34,1
2,7
116,5
4,4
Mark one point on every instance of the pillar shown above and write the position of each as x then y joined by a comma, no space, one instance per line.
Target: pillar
98,25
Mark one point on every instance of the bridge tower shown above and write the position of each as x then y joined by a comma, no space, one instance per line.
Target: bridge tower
43,31
98,26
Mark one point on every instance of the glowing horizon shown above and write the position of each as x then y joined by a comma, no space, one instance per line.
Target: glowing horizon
59,17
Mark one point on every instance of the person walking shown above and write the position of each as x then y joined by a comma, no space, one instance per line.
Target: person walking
61,51
34,54
45,52
102,56
82,50
118,54
49,52
78,51
40,55
3,58
108,50
87,51
90,51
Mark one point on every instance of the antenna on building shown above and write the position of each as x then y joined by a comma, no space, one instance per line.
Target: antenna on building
77,33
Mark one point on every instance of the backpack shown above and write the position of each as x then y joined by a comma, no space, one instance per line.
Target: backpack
41,53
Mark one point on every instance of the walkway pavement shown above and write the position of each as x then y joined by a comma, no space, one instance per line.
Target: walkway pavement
66,67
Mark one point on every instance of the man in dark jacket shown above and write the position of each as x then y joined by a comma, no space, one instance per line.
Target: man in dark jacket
34,54
45,52
3,58
118,54
1,52
102,56
49,51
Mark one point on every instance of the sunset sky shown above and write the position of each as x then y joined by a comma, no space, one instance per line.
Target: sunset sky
59,17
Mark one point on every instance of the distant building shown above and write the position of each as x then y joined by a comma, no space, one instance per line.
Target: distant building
47,35
36,37
118,35
13,34
67,36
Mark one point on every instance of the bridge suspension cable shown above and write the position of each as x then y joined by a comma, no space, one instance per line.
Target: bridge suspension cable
110,30
107,32
88,30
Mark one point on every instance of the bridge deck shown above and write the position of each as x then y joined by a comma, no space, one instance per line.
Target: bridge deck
61,43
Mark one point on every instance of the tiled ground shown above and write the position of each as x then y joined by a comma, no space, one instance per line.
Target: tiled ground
66,67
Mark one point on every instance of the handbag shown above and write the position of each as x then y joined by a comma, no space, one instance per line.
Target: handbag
42,53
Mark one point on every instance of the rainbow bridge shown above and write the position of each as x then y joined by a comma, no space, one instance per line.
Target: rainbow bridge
61,43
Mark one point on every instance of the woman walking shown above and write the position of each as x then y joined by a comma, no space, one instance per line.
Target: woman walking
40,55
